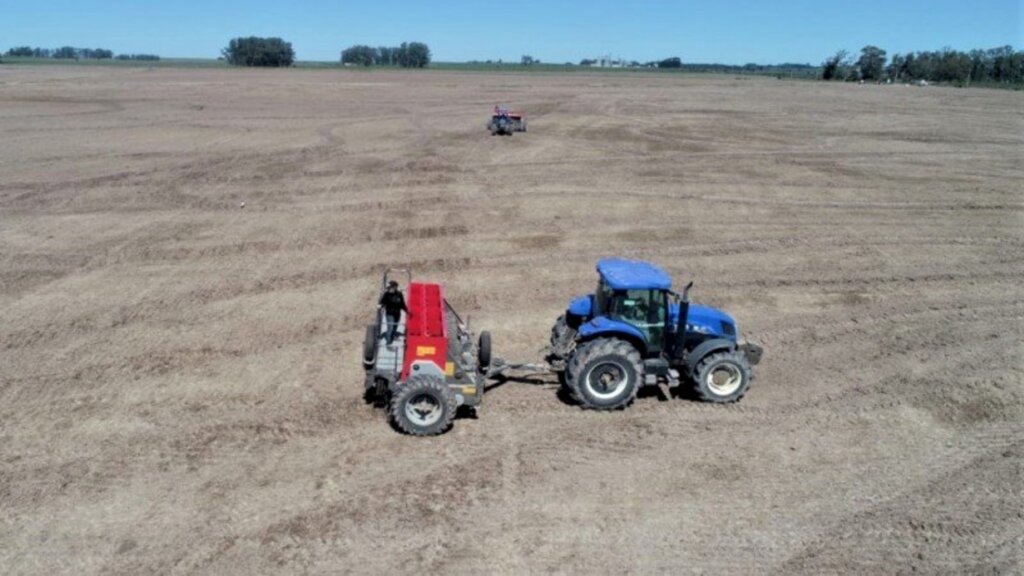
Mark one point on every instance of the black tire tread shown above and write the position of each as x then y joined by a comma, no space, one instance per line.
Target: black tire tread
370,346
415,384
697,379
561,339
597,348
568,376
484,350
559,331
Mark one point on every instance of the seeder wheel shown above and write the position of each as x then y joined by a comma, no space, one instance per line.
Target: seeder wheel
424,406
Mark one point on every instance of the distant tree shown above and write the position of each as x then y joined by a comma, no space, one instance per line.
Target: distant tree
23,51
255,51
407,55
673,62
979,65
954,67
894,71
835,67
871,63
920,66
587,62
526,60
413,55
1000,65
65,53
360,55
140,57
1007,64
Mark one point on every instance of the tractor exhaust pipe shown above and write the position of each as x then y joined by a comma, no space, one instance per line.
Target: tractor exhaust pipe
684,311
684,307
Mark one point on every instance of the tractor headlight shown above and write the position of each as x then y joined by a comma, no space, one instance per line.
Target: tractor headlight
697,328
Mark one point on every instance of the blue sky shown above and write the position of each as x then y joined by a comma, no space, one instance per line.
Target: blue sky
733,32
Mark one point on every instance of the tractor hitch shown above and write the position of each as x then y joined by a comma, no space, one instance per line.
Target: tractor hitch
752,352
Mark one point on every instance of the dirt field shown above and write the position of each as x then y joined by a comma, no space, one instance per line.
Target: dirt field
180,385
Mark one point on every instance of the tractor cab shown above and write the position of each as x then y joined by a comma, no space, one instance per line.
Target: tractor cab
636,299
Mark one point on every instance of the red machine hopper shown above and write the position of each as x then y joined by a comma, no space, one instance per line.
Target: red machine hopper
426,329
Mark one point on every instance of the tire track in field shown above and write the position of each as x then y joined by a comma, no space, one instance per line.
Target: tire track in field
913,529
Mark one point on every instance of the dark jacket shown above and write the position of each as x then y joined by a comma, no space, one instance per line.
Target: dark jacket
393,303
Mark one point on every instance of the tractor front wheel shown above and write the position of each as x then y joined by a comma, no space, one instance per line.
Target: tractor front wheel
423,406
562,338
561,335
605,374
722,377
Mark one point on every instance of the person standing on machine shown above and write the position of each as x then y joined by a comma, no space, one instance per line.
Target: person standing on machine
393,304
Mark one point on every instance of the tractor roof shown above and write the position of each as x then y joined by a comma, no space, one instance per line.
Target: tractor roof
622,274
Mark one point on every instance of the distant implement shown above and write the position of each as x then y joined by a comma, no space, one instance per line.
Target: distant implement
504,122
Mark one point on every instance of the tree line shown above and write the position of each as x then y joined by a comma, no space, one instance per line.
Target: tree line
256,51
1002,65
407,55
672,62
72,53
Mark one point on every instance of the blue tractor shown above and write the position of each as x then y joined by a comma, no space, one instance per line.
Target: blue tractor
635,331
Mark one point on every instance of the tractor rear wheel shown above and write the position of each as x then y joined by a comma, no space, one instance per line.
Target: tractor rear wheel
722,377
423,406
605,374
567,377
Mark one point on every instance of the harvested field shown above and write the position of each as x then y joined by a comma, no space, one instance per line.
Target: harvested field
180,385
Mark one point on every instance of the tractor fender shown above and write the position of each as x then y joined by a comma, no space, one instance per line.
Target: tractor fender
704,348
608,328
581,306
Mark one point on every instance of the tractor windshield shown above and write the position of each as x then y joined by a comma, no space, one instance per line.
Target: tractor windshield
644,309
603,299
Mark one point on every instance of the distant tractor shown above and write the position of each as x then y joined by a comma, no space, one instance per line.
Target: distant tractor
634,331
503,122
433,366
